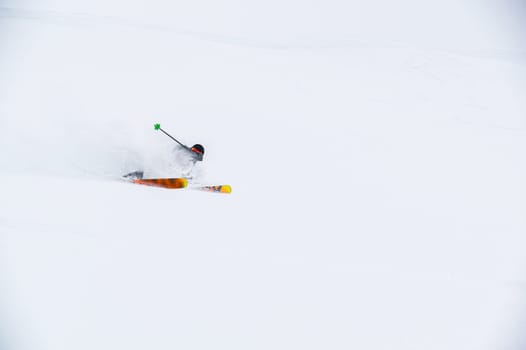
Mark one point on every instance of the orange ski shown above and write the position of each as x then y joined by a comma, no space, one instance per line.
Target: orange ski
177,182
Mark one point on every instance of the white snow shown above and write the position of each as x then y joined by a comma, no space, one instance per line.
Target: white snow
375,150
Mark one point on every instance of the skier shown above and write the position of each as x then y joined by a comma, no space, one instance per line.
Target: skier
195,153
184,158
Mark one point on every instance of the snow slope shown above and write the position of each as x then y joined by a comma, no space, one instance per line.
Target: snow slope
375,153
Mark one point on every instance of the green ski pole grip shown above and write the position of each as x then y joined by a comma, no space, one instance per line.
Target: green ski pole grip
156,126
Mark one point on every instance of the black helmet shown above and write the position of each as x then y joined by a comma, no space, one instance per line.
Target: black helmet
197,148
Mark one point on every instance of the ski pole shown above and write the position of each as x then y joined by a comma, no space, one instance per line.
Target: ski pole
158,127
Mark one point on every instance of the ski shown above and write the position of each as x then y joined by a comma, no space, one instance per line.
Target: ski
171,183
214,188
136,177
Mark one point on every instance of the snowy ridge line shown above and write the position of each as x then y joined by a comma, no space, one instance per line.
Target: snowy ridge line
84,18
503,54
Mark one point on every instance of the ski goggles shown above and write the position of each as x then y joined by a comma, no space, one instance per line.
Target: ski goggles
196,150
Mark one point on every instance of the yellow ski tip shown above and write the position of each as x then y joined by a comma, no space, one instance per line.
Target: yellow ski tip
226,189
